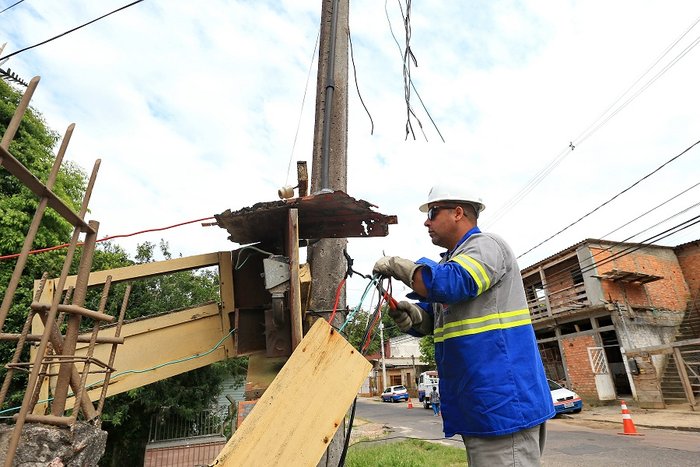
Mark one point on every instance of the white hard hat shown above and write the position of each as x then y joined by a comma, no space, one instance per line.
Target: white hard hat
453,192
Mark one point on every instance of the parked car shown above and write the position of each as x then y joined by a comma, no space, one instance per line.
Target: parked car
565,401
395,394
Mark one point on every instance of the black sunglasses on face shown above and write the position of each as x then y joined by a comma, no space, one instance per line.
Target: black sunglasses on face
432,212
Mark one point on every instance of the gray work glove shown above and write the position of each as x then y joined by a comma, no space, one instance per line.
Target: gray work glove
395,266
407,316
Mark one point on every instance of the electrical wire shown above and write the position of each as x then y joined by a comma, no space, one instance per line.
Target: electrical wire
357,86
597,124
583,268
650,210
303,100
71,30
13,5
611,199
352,314
144,370
111,237
420,99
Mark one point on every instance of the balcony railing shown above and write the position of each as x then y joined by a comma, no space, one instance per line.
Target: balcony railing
560,301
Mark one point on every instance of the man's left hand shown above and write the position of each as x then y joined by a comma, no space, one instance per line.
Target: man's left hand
395,266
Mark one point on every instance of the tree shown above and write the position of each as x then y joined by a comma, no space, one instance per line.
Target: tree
33,146
126,416
427,350
356,328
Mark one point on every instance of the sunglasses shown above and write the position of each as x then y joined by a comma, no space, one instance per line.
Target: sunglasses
432,212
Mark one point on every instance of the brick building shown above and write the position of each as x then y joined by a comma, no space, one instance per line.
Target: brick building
609,315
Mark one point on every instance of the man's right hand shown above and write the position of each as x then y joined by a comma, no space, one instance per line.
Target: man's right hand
406,315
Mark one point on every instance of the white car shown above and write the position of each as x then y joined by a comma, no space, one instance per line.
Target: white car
565,401
395,394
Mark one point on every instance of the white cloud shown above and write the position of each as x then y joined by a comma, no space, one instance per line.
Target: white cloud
193,109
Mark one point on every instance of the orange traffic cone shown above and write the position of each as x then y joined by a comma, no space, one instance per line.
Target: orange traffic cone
410,404
627,423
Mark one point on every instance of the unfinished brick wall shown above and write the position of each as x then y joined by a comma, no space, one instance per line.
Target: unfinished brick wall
689,260
581,375
560,283
669,293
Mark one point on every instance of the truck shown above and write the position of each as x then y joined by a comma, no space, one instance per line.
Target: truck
426,381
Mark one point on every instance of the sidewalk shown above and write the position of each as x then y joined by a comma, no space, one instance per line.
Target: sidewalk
676,417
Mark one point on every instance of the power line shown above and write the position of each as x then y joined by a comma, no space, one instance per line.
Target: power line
566,270
301,110
420,99
71,30
13,5
611,199
111,237
597,123
650,210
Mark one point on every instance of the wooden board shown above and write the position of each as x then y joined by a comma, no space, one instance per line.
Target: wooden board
299,413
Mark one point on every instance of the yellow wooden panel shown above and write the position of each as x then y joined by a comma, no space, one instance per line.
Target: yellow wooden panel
147,269
162,346
297,416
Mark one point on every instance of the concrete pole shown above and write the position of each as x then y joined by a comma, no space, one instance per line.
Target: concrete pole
325,257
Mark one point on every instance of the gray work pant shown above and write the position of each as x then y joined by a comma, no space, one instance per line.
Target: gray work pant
520,449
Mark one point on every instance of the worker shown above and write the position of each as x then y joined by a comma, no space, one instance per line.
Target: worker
493,388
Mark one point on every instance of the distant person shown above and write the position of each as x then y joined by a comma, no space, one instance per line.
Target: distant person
435,401
493,389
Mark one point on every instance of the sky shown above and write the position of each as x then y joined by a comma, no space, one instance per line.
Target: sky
198,107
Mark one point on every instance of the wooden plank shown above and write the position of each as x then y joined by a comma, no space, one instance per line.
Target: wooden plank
297,416
155,268
160,347
294,286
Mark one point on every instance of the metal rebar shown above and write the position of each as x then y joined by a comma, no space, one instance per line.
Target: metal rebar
113,353
20,341
33,229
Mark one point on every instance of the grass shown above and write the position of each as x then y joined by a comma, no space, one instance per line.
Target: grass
409,453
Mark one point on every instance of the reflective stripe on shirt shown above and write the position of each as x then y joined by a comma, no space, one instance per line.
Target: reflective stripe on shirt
481,278
501,320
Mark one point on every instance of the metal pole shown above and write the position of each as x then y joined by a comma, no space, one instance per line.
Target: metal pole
381,341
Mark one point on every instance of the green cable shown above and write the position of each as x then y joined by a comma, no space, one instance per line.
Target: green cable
371,284
191,357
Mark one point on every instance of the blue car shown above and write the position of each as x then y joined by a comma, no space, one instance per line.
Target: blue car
395,394
565,401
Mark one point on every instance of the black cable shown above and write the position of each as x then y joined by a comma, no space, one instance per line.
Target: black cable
346,445
420,99
69,31
597,124
357,86
650,210
554,275
14,4
628,250
611,199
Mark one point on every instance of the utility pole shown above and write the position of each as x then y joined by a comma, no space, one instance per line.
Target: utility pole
381,343
329,170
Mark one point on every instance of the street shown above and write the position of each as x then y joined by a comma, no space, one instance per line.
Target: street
570,442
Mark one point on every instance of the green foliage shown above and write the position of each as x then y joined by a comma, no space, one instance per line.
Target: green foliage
409,453
33,146
355,330
126,416
427,350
